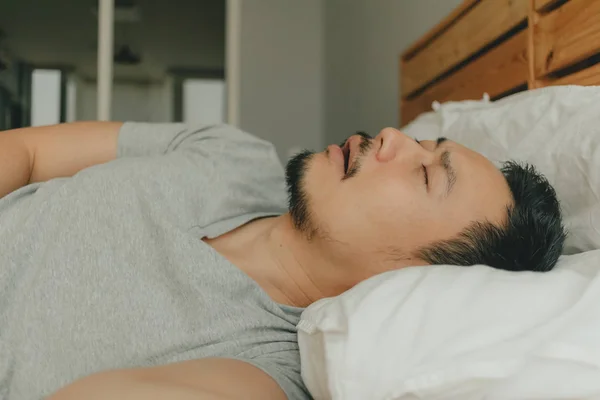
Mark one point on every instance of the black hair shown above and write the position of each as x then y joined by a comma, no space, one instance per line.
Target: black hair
530,239
297,197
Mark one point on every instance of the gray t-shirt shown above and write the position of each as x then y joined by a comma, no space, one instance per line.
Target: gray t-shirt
107,269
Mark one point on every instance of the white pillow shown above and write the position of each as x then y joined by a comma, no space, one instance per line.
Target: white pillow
447,332
557,129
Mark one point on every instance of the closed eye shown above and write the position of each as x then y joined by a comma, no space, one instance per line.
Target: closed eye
425,176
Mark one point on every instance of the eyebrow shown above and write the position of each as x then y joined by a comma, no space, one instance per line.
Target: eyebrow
447,165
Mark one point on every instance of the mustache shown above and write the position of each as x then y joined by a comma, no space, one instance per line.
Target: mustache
365,145
365,138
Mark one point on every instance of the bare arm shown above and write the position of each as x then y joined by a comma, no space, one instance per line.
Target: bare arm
38,154
206,379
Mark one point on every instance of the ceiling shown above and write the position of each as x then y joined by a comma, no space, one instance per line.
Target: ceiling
174,34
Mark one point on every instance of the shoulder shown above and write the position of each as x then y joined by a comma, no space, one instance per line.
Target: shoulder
148,139
246,142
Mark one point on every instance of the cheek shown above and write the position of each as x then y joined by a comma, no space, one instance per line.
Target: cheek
392,197
380,211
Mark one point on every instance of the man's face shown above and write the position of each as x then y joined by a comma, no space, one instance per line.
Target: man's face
380,200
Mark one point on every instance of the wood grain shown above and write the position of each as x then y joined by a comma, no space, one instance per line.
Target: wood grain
567,35
541,5
439,28
486,21
532,18
587,77
496,72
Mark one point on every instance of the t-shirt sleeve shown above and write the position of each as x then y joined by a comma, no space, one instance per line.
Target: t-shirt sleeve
140,139
284,368
212,178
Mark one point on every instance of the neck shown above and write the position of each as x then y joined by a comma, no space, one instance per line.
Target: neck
293,270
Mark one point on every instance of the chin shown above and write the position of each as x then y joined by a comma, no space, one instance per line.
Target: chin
312,182
297,182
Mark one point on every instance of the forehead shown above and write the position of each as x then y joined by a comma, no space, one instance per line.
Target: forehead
464,154
472,163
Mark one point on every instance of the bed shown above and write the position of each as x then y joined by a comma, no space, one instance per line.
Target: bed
448,332
501,47
453,332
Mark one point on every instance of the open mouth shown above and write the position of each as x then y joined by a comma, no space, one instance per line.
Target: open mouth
346,152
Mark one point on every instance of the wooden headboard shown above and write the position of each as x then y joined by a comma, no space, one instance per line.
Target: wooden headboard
501,47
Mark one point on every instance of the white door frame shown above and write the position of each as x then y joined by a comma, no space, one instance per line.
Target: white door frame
233,34
106,25
233,47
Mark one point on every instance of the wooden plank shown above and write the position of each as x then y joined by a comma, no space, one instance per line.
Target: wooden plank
567,35
532,17
587,77
496,72
541,5
484,23
439,28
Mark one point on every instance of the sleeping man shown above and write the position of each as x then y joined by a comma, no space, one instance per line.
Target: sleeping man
153,261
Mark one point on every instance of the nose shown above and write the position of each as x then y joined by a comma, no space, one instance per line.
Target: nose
395,144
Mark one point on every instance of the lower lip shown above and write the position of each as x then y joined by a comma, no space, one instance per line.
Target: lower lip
336,155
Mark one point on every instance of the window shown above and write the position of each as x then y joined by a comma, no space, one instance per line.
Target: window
203,101
46,96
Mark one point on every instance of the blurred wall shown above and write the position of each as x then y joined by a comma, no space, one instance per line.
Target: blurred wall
131,101
9,78
167,34
363,41
281,72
